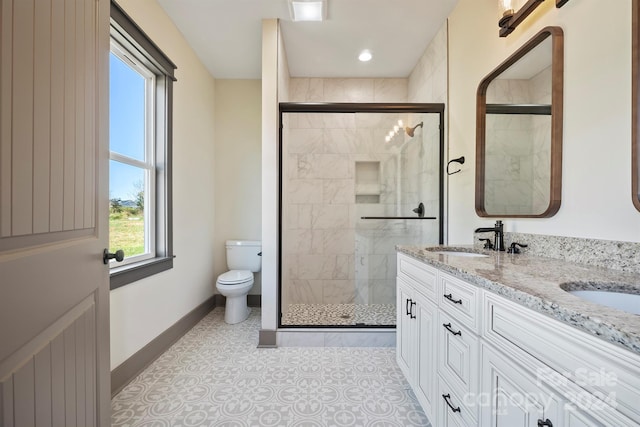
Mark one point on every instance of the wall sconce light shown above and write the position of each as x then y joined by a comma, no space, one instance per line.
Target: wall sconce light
509,19
505,7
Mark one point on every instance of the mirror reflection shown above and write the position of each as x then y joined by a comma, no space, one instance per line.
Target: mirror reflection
519,134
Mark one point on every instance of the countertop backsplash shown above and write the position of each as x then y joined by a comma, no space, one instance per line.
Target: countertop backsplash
623,256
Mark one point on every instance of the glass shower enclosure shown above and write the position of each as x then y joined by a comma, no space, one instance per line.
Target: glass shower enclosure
355,181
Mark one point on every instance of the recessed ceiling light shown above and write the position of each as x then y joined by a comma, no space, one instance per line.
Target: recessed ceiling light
308,10
365,56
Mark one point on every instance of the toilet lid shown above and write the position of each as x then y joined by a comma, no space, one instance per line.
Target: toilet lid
235,276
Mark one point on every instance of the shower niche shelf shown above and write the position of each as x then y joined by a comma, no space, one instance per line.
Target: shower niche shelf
367,185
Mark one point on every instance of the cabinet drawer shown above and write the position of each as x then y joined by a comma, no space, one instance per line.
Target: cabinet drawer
458,355
424,275
451,409
460,299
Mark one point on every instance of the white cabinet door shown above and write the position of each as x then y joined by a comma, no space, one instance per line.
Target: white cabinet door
425,367
515,397
405,329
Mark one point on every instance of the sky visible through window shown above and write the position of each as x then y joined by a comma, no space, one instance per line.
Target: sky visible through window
126,128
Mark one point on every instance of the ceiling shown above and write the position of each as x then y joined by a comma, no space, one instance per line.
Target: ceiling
227,35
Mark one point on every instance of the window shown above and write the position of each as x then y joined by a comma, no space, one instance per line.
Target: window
131,157
140,128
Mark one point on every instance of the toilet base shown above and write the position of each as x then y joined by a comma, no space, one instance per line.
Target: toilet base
236,310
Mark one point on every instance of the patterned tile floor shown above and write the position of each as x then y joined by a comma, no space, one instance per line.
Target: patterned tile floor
339,314
215,376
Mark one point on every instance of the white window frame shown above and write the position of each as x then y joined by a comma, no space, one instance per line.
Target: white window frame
148,165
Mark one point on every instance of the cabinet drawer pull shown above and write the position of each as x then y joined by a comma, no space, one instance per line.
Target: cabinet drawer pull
411,315
544,423
450,298
446,398
407,309
448,327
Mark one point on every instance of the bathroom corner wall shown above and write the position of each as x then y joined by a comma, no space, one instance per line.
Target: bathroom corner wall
275,89
237,167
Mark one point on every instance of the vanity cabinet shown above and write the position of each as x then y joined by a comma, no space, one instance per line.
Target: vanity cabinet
474,358
416,335
436,351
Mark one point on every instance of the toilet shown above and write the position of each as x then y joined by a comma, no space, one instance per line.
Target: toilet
243,259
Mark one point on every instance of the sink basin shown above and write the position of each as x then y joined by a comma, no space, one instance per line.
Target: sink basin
619,300
457,252
463,254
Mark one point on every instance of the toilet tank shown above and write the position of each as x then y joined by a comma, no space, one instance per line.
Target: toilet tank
243,255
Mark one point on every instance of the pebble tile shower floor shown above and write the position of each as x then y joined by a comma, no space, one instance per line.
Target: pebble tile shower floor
215,376
339,314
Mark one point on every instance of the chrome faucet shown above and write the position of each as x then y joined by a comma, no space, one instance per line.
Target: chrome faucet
498,240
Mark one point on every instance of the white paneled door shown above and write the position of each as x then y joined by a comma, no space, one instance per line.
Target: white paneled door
54,291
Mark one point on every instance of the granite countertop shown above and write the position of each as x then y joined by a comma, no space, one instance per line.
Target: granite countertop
537,283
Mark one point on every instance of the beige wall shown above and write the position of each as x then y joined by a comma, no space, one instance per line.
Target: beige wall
142,310
274,89
596,182
237,167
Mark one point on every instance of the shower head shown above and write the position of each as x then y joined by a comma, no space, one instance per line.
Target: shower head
411,131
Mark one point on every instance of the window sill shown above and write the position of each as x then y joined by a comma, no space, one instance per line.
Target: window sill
121,276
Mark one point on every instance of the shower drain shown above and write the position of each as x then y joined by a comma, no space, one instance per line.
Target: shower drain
345,316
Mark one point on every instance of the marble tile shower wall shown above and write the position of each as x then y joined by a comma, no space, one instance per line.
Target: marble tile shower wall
428,80
519,150
347,90
323,251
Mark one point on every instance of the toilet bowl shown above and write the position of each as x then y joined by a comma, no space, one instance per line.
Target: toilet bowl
243,258
235,285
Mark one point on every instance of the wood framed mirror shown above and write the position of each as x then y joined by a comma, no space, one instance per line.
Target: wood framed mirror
519,132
